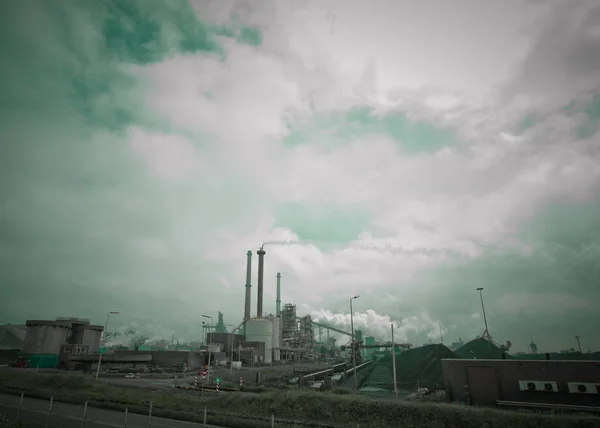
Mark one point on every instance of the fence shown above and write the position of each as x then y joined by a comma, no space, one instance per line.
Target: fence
80,416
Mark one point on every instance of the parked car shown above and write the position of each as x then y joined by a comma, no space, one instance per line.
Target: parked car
22,363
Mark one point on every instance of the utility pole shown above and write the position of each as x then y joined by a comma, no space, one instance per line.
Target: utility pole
578,343
209,348
231,350
486,333
353,345
394,362
104,340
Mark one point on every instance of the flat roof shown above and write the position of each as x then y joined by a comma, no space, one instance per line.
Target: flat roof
111,358
62,323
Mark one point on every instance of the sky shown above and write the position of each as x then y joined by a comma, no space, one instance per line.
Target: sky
407,152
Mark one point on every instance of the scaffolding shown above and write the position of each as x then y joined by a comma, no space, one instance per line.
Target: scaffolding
220,327
289,325
307,337
296,334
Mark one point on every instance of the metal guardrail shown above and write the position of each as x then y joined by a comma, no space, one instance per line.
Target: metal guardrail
549,406
332,370
47,418
351,370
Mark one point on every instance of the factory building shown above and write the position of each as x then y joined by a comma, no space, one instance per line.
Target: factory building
46,339
262,334
11,342
142,361
261,330
281,337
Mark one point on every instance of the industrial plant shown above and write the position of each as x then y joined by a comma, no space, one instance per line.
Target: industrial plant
285,337
265,339
274,341
278,338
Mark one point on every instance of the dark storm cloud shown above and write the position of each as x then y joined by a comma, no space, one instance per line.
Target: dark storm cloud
78,211
564,56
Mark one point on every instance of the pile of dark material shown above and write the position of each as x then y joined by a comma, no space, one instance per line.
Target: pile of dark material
379,375
481,349
422,366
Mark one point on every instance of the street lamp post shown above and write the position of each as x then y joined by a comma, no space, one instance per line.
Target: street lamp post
231,358
353,345
209,348
231,350
394,362
486,333
441,335
104,340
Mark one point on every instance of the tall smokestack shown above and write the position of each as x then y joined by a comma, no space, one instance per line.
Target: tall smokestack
261,265
248,286
278,301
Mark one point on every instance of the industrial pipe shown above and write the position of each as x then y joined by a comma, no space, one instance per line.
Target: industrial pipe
278,301
248,286
261,265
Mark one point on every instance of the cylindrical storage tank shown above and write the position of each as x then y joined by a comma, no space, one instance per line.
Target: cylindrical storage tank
261,330
214,348
276,338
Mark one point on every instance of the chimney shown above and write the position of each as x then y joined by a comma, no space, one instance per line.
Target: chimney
278,301
248,286
261,265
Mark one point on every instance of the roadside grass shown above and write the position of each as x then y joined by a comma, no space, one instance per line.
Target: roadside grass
267,374
7,422
291,408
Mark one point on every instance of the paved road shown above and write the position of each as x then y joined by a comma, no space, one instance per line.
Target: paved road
35,412
159,384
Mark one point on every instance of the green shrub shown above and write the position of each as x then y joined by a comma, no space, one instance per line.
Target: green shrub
341,391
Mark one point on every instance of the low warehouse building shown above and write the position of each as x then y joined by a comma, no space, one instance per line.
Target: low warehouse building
143,361
485,382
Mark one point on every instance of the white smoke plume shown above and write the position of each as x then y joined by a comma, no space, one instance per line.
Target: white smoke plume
289,242
370,245
377,325
131,334
389,248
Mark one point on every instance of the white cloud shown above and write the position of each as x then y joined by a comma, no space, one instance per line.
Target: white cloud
379,326
564,58
442,64
172,157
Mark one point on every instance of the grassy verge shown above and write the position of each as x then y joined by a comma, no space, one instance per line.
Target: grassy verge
6,422
292,408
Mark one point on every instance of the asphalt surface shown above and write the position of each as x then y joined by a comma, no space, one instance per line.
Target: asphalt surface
35,412
158,384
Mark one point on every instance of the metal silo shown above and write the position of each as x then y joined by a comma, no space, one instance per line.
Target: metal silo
276,338
261,330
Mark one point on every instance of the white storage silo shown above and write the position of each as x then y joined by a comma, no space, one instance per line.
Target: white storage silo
276,338
261,330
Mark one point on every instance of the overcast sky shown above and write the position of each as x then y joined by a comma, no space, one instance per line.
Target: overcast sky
414,151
